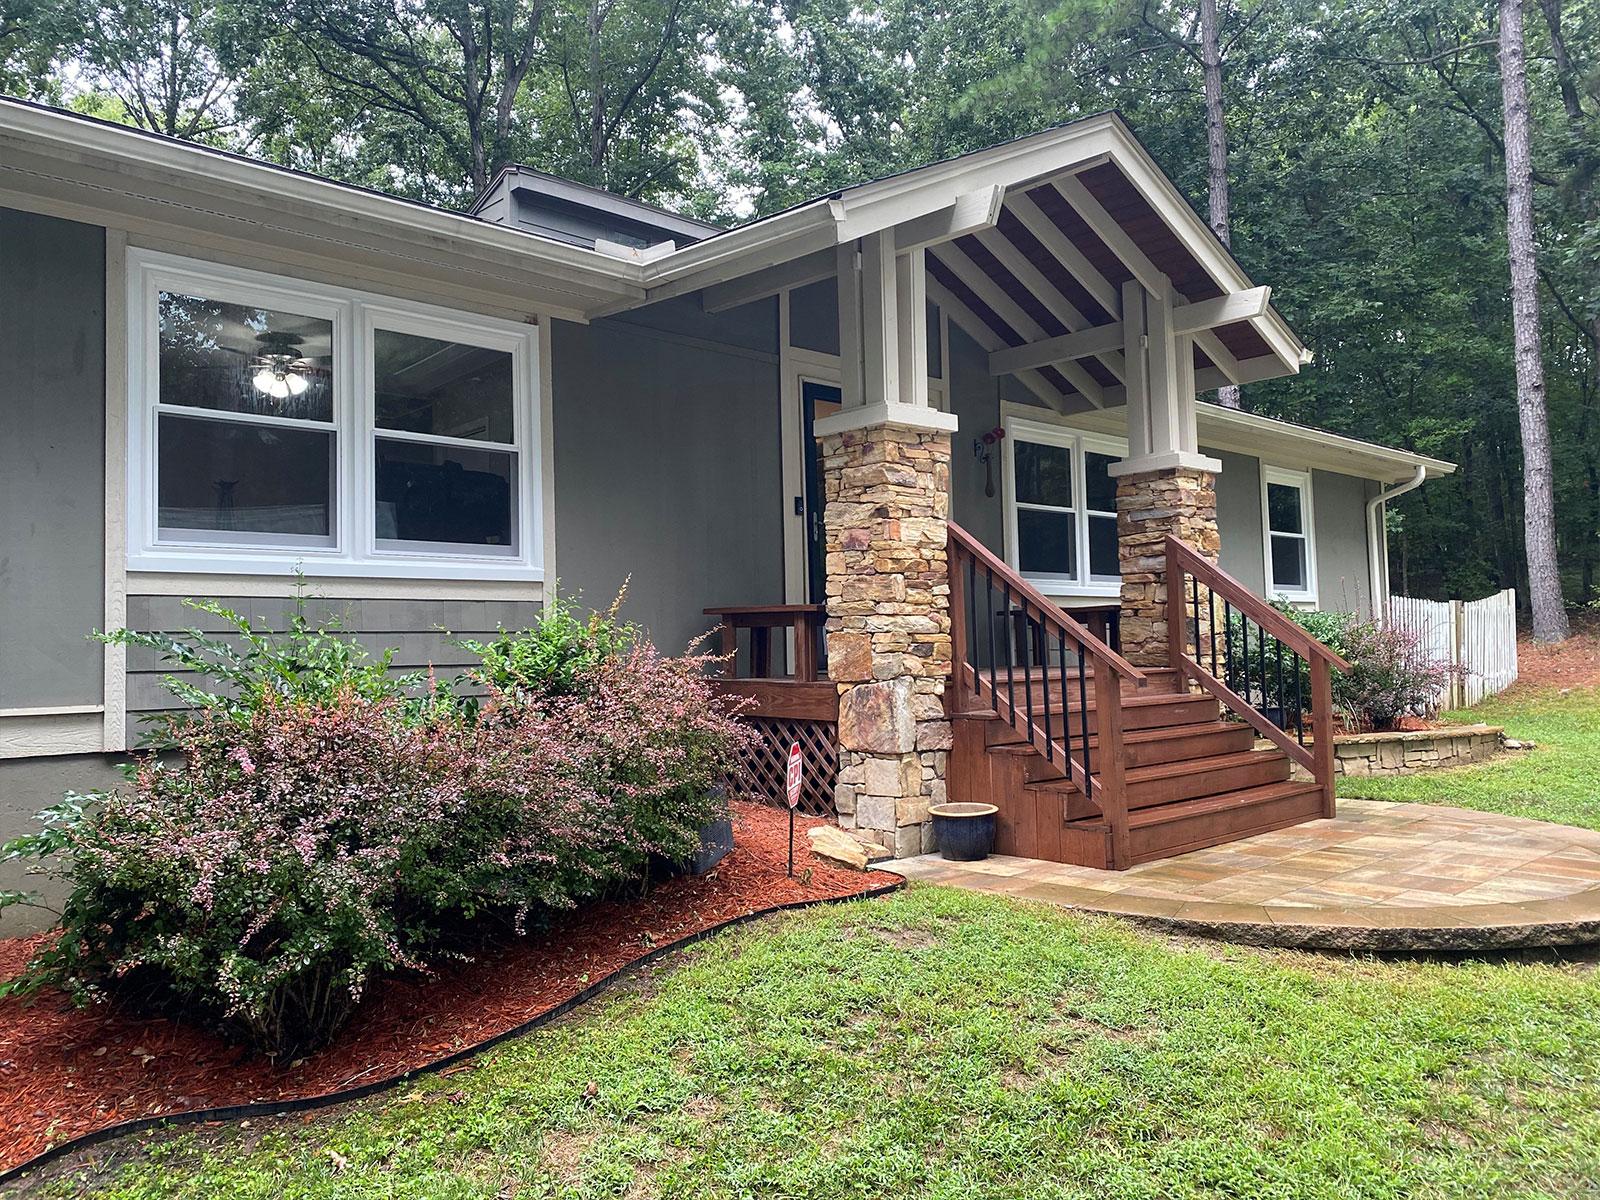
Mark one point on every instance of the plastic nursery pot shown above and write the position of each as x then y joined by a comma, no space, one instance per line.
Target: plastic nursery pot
964,831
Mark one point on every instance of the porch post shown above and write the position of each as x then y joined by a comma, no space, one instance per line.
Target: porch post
886,483
1165,485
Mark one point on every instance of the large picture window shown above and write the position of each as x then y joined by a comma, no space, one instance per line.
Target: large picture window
1287,524
276,423
1061,508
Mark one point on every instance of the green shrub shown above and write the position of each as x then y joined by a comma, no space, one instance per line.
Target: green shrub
553,655
318,828
308,663
1329,628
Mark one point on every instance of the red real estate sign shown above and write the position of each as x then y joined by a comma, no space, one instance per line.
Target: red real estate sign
794,775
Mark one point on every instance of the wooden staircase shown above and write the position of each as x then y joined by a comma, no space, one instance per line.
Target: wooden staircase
1166,764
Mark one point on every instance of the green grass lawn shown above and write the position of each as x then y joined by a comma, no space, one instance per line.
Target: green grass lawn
941,1044
1558,781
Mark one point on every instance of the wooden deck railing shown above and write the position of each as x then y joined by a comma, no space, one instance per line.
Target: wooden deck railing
1039,681
1246,656
804,694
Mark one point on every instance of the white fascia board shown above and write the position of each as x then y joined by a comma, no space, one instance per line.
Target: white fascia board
879,205
126,156
1135,162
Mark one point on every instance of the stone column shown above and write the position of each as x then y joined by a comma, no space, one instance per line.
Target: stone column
887,488
1181,501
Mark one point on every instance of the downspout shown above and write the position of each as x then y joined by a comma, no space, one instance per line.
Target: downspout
1375,541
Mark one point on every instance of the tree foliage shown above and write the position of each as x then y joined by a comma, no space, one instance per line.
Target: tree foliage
1365,162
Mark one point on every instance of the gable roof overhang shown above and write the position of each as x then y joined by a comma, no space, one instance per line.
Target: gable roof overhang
1028,244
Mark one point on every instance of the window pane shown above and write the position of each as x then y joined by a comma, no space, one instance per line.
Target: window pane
230,476
1046,543
234,358
425,385
1044,474
1101,486
1288,563
1103,547
1283,508
445,494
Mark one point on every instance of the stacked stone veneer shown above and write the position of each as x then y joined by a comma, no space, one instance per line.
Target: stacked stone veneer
1415,750
888,497
1181,501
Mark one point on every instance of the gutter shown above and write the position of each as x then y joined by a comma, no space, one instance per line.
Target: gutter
1377,546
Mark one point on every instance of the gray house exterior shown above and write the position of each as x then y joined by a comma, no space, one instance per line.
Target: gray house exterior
604,391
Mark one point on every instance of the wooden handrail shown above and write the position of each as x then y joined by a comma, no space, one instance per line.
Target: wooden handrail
1251,605
1046,610
1182,562
1011,663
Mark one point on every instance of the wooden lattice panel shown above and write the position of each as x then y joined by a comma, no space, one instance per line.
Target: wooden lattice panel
768,764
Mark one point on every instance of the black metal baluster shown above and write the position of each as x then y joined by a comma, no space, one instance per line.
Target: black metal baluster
1083,716
1227,622
1194,603
972,619
1027,668
1211,603
1009,641
1044,682
1262,651
1299,707
1277,651
988,608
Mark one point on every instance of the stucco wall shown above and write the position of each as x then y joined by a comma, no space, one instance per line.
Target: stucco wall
975,399
668,462
1239,518
52,460
1340,517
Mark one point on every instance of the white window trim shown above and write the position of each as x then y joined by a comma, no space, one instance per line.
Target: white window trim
1301,481
1079,444
354,552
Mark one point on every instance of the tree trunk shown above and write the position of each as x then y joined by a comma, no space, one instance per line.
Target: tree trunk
1538,476
1216,146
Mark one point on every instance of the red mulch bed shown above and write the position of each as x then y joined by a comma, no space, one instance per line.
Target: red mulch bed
65,1072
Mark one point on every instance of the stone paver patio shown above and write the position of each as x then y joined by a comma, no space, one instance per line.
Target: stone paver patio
1378,876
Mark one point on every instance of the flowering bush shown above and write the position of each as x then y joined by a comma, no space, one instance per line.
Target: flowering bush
1391,675
303,844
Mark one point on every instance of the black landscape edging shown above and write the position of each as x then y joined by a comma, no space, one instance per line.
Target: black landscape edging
233,1112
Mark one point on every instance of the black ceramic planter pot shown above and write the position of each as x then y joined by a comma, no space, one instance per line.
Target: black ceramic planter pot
964,831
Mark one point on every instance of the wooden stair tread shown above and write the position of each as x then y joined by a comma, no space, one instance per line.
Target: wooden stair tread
1210,764
1153,735
1163,814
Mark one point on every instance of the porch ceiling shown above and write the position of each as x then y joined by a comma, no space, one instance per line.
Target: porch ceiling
1054,263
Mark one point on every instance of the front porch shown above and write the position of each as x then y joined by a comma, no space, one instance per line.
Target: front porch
944,670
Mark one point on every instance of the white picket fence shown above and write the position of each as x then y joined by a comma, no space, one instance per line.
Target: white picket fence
1479,637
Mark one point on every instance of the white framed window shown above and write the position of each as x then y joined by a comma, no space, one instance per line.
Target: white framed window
277,424
1287,529
1061,508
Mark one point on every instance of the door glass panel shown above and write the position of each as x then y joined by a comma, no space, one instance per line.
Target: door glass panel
447,494
425,385
235,358
1043,474
232,476
1288,563
1046,542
